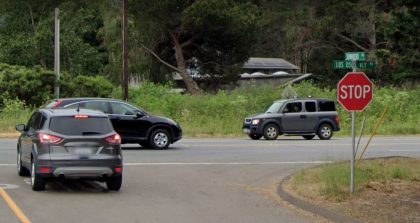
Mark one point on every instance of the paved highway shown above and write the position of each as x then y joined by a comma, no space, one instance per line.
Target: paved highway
194,181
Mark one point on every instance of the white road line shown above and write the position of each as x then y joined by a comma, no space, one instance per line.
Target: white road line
8,164
213,163
404,150
224,163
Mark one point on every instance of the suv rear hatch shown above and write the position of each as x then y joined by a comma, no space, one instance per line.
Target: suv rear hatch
82,137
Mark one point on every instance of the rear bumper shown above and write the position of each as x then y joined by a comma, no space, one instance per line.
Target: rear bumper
74,169
82,172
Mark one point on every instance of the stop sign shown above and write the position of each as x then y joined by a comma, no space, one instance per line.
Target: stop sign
354,91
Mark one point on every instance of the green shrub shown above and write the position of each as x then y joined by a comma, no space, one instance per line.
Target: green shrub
36,85
85,86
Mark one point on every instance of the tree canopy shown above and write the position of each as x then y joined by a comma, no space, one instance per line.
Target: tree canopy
213,37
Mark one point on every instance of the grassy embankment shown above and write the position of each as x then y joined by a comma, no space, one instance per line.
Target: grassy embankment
331,181
222,114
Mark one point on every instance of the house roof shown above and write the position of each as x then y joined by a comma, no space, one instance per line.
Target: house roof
269,63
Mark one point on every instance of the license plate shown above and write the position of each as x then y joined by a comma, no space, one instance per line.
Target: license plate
247,131
83,151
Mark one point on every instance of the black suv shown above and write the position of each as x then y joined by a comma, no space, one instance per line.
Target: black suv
69,144
306,117
133,124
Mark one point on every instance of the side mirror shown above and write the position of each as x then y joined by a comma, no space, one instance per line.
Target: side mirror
20,127
139,115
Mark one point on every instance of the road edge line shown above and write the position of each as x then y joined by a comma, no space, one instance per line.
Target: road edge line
12,205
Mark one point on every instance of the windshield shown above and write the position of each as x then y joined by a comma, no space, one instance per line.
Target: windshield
275,107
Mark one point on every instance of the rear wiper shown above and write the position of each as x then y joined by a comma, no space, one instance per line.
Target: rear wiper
91,133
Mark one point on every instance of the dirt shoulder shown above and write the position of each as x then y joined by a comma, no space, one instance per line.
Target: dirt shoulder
380,200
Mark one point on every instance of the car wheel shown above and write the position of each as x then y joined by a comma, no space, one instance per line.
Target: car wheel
255,136
308,137
37,182
159,139
325,131
22,171
114,183
271,132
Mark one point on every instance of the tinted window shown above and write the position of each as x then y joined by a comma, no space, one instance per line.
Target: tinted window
293,107
42,121
80,126
123,109
310,106
326,106
31,123
97,105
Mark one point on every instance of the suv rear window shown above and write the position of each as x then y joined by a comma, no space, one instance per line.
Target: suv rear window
81,126
326,106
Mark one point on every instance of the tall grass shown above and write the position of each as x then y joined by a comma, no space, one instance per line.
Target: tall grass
332,180
13,112
222,114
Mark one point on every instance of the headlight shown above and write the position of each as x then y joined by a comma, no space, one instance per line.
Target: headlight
255,121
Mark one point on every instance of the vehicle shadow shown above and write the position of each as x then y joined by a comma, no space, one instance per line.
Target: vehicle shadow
76,186
138,147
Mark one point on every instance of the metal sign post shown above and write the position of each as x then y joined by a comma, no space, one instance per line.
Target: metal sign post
354,93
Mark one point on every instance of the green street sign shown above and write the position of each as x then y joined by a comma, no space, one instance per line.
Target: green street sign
348,64
355,56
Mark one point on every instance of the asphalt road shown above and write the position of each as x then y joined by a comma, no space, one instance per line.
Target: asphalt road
194,181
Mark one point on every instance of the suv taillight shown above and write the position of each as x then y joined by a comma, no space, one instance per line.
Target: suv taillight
337,120
49,139
114,139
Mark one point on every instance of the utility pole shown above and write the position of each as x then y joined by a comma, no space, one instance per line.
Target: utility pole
57,52
125,51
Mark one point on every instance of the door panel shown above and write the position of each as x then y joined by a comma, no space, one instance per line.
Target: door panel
293,119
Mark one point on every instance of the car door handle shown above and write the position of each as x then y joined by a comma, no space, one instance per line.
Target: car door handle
303,116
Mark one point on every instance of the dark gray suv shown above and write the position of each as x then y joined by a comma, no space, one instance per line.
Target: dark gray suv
69,144
306,117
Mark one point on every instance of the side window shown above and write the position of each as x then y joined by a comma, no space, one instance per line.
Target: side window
98,105
293,107
76,105
310,106
42,121
326,106
31,123
122,109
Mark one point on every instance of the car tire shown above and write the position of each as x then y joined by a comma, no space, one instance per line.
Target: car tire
37,182
22,171
159,139
308,137
271,132
255,136
325,131
114,183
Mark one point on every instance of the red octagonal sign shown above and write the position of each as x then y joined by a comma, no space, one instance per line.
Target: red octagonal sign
354,91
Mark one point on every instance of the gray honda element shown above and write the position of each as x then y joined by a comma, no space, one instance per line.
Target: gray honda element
70,144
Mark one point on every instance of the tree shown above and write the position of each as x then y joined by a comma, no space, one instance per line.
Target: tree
213,36
27,35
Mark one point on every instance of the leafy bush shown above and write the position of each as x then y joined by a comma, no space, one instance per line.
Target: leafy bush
36,85
85,86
